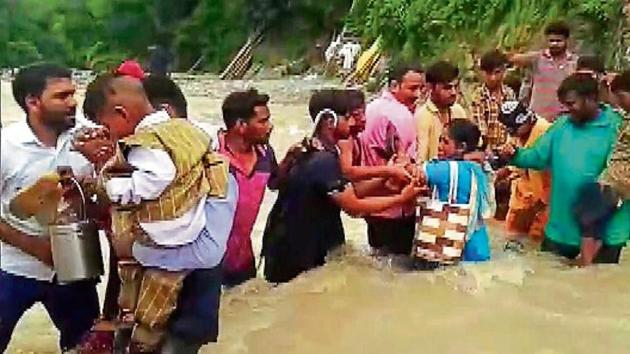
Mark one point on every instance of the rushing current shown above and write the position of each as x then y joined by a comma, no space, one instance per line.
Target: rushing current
529,303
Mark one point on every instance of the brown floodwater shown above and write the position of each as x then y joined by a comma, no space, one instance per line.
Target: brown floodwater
529,303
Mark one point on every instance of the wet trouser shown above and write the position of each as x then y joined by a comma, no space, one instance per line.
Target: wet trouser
195,322
234,278
606,255
196,319
595,208
110,304
392,235
73,307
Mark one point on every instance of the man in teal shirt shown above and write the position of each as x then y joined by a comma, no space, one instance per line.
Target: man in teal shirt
576,150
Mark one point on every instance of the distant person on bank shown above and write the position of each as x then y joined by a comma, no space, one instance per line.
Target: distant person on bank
548,68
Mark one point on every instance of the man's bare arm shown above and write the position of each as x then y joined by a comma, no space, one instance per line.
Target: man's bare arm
372,188
523,59
37,247
362,173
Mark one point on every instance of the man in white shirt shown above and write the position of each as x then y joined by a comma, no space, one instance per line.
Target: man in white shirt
29,149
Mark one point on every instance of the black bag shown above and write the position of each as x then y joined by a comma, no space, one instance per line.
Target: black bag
280,261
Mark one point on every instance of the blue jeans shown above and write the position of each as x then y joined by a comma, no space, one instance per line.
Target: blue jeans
196,319
73,308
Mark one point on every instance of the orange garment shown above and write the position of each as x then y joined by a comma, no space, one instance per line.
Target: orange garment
534,228
528,189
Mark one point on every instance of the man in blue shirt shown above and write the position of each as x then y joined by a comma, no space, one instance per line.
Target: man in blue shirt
195,321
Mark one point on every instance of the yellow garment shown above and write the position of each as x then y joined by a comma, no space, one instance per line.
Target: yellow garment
199,171
149,296
531,186
367,61
147,299
617,173
430,128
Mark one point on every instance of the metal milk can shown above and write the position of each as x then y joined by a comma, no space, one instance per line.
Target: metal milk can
76,248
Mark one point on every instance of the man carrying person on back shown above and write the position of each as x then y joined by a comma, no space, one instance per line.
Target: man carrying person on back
171,217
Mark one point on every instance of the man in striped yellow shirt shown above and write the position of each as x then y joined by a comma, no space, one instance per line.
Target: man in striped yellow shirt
440,110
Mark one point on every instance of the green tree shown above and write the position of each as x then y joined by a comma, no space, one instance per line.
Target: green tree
457,29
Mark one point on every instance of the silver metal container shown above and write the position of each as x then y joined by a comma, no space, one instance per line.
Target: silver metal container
76,248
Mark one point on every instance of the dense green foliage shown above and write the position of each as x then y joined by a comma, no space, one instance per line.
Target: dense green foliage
81,33
460,29
100,33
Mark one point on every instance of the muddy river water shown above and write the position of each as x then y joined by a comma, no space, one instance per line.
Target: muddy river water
530,303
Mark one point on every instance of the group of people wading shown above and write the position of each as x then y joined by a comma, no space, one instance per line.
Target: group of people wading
178,199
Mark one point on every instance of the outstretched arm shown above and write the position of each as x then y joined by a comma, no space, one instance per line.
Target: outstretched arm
523,59
349,202
536,157
329,181
360,173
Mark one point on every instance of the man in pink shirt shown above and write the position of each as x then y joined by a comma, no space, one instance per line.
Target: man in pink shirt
390,133
253,163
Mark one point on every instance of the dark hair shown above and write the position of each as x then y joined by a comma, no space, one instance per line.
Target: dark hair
333,99
493,60
161,89
356,99
398,71
584,85
465,132
32,80
442,72
240,105
621,82
96,95
559,27
591,62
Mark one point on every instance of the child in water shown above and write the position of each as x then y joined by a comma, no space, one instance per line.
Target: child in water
473,186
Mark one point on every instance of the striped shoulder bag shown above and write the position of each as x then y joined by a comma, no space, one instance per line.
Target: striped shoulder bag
441,227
